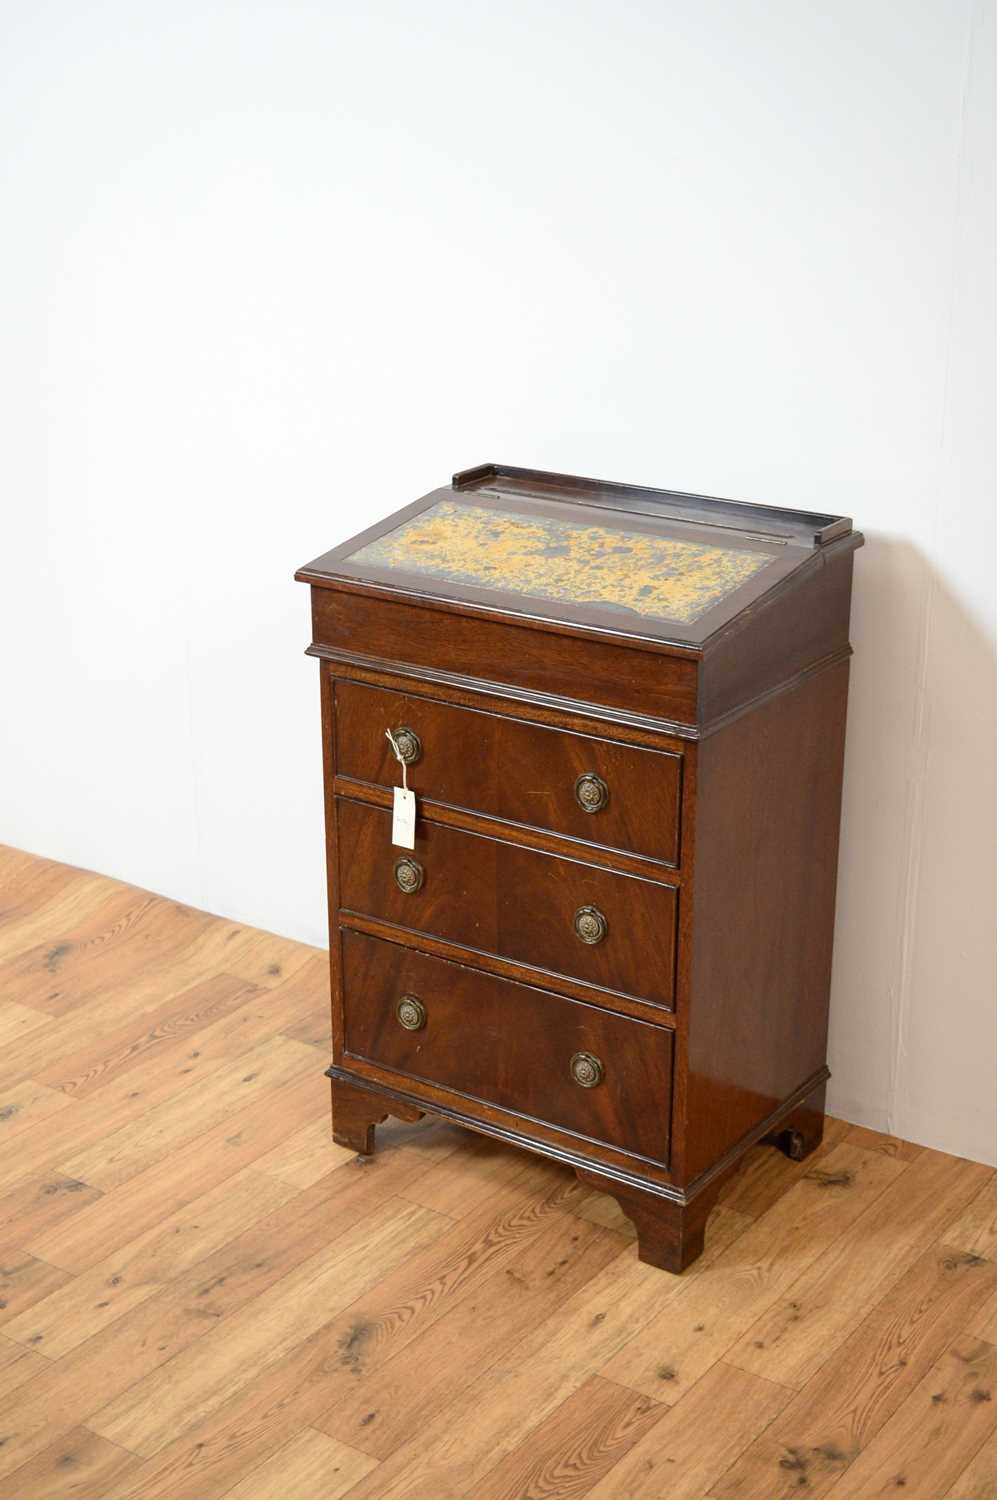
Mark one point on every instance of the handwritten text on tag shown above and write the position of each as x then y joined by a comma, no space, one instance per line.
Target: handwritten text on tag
403,819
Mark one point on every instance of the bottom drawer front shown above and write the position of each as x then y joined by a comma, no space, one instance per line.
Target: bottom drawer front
557,1060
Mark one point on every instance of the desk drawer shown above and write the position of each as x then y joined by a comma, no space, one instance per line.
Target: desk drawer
619,796
612,930
570,1065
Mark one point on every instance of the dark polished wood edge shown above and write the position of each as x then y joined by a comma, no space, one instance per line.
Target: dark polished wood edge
355,1115
515,970
703,1186
413,591
498,831
787,685
514,1136
745,618
670,1235
524,835
398,675
475,958
535,1122
401,674
525,704
328,701
682,997
820,527
769,1126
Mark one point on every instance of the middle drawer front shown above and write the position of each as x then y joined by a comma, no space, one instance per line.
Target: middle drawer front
517,903
557,1060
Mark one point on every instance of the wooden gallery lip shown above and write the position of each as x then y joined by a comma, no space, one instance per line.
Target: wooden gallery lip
622,712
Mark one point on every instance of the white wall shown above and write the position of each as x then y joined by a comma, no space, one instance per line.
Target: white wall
273,269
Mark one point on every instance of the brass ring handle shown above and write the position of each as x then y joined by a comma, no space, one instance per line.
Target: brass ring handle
591,792
586,1070
409,875
590,924
411,1013
409,744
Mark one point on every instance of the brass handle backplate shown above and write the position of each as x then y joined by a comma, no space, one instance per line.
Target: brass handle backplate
590,924
409,875
409,744
591,792
586,1070
411,1013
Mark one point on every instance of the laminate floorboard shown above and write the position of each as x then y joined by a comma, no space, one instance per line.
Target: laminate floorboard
202,1296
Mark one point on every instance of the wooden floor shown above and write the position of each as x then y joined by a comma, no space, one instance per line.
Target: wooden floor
201,1295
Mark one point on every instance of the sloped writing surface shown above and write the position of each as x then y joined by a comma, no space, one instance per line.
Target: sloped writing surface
548,557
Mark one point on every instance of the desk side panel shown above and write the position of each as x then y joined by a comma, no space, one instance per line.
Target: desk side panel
768,810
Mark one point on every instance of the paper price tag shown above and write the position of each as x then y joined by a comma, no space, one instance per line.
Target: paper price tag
403,819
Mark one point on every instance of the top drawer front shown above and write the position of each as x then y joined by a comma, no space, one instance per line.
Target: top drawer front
509,769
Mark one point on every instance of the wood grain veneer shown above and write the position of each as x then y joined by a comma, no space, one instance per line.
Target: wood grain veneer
513,625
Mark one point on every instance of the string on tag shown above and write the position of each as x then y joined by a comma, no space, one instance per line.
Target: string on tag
398,756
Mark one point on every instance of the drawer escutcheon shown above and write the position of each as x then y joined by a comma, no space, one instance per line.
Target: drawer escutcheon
411,1013
409,875
590,924
591,792
586,1070
408,743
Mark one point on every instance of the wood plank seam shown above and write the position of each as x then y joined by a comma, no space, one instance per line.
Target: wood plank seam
906,1297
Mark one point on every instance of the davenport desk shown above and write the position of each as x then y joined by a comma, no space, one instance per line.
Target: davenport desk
622,713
